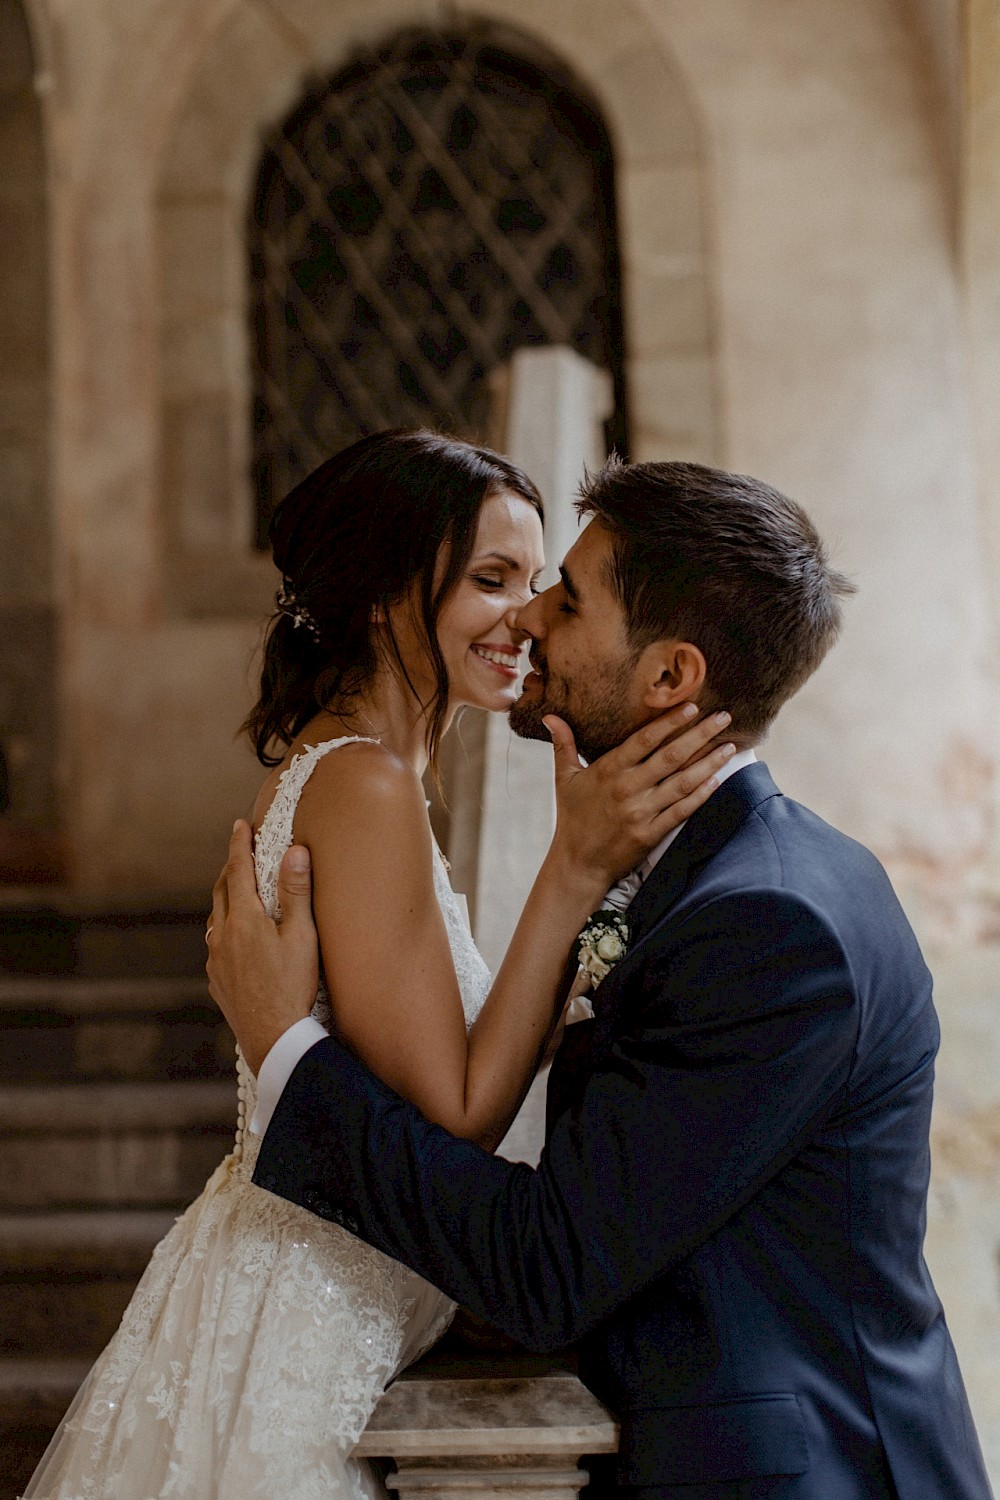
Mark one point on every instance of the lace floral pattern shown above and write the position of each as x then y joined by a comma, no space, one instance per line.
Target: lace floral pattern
260,1337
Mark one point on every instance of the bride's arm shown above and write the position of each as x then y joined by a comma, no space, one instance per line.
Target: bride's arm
385,951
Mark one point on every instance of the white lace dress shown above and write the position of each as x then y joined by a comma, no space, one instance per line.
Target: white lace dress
260,1337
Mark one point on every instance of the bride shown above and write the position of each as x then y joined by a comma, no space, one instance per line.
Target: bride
260,1338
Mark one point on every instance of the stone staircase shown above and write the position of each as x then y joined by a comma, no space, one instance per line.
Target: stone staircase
117,1099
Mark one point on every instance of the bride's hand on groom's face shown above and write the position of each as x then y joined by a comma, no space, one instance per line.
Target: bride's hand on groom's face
612,813
262,975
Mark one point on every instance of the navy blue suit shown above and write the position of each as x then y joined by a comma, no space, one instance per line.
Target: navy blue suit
730,1209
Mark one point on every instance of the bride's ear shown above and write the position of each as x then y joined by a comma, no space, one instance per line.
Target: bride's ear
671,672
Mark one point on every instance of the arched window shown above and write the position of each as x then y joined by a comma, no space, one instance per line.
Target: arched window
435,205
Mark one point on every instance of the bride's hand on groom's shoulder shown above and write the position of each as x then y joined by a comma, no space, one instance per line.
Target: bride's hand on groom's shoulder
261,974
609,815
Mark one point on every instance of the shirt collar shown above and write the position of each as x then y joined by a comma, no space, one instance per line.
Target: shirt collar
735,763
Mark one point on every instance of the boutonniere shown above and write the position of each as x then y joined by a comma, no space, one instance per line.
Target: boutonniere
603,942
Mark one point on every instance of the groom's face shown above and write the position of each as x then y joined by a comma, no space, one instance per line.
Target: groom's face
583,667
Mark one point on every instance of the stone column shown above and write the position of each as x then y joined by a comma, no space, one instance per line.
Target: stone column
550,405
483,1438
553,403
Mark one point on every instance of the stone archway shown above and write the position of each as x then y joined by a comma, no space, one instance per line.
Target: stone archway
28,622
250,75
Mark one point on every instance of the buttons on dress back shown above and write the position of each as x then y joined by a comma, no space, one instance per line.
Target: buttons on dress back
241,1105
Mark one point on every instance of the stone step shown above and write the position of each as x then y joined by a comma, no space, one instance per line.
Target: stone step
38,1390
133,1144
65,1278
34,1394
54,930
75,996
143,1029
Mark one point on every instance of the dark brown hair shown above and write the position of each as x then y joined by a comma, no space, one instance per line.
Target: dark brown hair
727,563
359,534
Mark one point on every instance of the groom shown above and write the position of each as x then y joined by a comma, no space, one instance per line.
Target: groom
729,1212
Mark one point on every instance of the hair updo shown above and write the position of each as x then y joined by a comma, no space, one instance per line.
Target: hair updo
354,538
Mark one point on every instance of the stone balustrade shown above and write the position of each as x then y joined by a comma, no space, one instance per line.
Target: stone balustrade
488,1427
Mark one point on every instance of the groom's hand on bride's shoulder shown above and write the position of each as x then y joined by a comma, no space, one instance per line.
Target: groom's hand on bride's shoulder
261,974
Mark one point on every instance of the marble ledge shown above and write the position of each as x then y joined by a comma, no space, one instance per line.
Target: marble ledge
503,1411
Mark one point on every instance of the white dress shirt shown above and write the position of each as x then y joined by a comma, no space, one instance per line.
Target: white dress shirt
293,1044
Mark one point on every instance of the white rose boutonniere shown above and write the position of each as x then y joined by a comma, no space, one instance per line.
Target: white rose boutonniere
603,942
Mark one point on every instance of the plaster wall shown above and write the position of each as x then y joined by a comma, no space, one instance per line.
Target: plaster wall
979,257
939,26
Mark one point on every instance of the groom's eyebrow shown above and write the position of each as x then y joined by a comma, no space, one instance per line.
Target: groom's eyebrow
569,585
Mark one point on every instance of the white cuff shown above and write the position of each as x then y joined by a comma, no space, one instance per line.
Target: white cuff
279,1065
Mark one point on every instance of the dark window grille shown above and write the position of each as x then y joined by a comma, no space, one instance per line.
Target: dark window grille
437,204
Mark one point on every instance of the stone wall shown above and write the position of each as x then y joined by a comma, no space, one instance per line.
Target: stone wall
28,647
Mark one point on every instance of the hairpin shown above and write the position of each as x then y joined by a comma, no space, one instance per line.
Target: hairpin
289,605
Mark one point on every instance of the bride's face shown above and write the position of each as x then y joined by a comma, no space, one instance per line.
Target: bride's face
477,631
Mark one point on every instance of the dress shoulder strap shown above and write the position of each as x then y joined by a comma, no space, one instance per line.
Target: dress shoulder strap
274,835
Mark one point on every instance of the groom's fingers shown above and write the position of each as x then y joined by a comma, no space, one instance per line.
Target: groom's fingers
295,889
220,900
239,876
220,905
567,759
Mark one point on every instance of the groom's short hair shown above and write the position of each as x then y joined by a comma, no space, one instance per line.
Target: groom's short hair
727,563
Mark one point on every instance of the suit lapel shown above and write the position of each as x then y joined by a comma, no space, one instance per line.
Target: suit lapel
701,838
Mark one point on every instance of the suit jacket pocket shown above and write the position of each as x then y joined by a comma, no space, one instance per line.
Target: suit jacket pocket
737,1439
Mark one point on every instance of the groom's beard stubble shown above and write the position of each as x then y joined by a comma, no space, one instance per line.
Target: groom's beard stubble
598,714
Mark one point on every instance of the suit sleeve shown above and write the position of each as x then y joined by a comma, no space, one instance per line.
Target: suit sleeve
734,1042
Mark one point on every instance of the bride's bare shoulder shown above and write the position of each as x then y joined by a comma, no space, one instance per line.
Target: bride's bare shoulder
362,790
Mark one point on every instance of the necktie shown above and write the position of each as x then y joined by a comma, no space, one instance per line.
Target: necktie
622,894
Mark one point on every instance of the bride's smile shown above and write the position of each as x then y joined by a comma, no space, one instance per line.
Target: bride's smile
503,658
482,646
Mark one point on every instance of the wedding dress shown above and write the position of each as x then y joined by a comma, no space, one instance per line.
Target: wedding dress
260,1337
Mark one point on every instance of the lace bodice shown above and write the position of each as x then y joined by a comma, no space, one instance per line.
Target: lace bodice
274,837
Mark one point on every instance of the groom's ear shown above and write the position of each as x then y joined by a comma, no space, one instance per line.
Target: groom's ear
671,672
